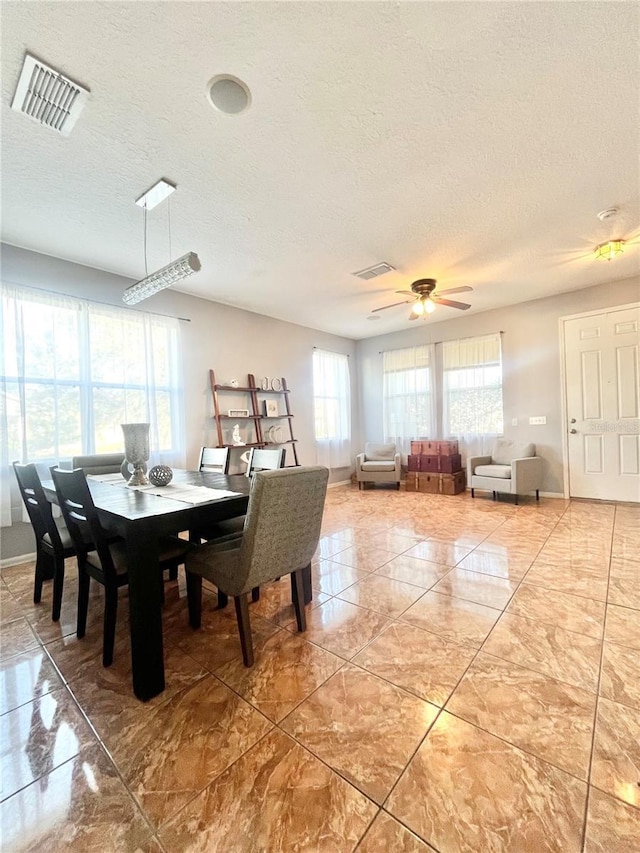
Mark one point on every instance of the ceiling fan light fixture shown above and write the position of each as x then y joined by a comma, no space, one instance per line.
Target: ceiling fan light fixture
429,306
607,251
418,308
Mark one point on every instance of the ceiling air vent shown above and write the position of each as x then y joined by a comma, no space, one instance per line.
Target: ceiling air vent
48,97
374,271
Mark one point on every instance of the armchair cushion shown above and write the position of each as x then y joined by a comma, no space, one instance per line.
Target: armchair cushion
375,452
378,466
504,451
501,471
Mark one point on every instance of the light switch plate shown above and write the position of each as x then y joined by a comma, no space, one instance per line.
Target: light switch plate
537,421
514,422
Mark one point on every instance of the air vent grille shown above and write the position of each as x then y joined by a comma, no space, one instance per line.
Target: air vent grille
374,271
48,97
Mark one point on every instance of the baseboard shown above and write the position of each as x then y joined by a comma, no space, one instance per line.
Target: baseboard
17,561
339,483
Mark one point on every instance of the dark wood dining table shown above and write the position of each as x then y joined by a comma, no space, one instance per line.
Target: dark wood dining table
140,518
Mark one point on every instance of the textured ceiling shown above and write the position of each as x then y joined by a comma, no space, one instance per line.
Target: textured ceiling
469,142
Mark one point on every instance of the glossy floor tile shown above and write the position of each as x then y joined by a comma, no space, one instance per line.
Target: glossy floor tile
468,681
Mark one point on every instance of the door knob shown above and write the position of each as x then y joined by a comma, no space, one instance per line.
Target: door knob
573,431
573,420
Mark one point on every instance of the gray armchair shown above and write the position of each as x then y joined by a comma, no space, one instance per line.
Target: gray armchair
281,533
513,468
378,464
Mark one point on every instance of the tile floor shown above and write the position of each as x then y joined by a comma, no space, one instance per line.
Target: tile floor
469,681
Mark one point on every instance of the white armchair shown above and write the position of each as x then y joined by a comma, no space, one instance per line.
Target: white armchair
513,468
378,464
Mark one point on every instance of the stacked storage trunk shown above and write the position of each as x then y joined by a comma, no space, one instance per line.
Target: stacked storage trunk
435,467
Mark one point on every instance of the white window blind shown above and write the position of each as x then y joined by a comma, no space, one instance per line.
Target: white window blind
71,371
408,395
332,405
472,391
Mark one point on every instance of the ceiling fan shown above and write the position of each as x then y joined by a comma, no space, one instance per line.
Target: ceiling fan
425,298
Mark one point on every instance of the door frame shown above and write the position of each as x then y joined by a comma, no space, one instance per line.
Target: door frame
563,381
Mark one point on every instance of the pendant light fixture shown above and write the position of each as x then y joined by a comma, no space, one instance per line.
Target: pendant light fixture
175,270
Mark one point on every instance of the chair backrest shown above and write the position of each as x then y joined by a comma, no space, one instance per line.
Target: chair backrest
81,517
37,506
376,451
99,463
265,460
504,451
214,460
283,522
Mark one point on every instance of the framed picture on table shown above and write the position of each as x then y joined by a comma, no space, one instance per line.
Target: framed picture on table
270,409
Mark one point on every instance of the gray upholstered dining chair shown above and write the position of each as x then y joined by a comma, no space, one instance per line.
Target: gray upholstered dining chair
281,534
98,463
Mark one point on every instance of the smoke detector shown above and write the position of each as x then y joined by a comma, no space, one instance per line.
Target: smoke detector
373,272
48,97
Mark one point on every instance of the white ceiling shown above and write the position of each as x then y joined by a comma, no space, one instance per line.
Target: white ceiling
469,142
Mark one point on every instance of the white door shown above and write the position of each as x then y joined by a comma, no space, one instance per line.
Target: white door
603,405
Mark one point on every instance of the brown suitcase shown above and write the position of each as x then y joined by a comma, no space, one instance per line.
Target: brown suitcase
413,462
453,484
429,483
416,448
411,481
441,464
448,448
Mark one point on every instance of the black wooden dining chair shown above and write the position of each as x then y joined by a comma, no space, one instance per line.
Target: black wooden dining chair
106,562
214,460
53,540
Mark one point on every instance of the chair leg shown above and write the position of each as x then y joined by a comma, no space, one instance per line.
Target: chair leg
307,584
473,493
244,628
255,593
223,600
44,570
194,599
58,586
537,494
516,500
297,589
494,496
173,573
83,603
110,614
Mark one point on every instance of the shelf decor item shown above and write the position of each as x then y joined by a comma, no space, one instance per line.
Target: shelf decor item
236,438
238,413
270,409
136,451
160,475
276,384
266,383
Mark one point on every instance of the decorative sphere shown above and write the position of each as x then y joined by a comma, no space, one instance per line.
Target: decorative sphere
160,475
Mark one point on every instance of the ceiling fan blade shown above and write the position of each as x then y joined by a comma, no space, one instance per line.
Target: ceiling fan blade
408,292
384,307
450,303
454,290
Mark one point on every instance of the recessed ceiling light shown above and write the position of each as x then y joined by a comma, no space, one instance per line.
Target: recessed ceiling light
228,94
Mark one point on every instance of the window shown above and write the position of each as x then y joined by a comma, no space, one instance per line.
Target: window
71,371
472,386
332,406
408,396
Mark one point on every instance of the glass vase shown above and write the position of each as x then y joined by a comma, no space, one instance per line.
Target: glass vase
136,451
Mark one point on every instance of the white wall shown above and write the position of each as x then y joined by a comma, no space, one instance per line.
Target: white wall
231,341
531,363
